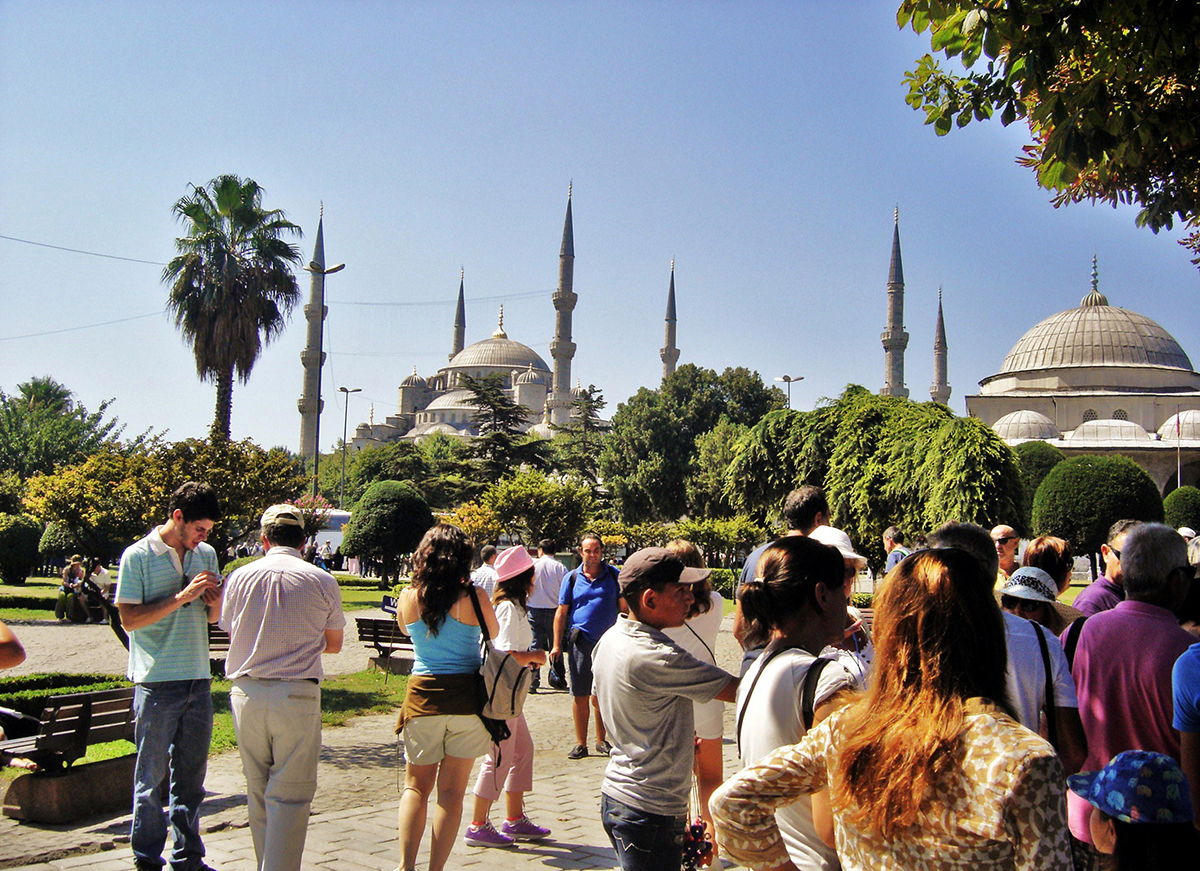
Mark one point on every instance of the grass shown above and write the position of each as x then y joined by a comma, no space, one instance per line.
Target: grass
342,698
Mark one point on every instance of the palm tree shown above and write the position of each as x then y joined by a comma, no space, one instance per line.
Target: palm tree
232,285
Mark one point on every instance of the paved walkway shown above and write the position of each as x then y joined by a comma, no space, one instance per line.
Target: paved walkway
354,813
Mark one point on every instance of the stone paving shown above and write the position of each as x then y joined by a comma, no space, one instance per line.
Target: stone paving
354,813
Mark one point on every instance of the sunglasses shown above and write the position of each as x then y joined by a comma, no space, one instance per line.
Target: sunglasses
1004,539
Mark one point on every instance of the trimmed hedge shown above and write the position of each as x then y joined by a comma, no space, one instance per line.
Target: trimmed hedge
28,693
39,603
724,581
228,568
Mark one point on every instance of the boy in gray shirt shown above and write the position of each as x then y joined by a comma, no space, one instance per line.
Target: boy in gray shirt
646,685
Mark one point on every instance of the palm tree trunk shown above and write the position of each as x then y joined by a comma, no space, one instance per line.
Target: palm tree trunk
220,424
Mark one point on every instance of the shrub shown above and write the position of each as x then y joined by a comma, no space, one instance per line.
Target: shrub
1182,508
228,568
19,537
1035,460
724,581
1082,497
28,693
388,521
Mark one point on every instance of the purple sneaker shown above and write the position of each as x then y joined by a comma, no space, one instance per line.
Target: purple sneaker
524,829
486,836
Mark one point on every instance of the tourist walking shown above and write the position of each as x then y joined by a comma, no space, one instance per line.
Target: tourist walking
442,729
548,574
511,761
928,768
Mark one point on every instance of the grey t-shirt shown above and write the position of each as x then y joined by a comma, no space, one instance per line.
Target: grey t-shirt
646,685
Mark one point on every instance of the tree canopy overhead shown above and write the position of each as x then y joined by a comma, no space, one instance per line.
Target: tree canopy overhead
1108,89
232,285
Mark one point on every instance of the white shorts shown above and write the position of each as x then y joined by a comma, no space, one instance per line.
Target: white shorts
430,739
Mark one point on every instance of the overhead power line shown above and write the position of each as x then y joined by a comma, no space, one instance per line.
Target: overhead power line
81,251
83,327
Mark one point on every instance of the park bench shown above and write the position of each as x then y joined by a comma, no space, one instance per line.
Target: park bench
387,637
70,723
218,643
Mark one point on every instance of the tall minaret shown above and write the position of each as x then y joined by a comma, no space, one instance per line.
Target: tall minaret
562,349
895,340
460,317
313,355
940,391
670,353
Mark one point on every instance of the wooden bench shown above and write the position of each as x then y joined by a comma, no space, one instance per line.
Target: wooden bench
387,637
70,723
218,642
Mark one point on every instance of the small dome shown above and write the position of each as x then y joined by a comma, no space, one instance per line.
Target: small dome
1189,426
1109,431
1026,426
413,380
542,430
578,391
529,377
455,400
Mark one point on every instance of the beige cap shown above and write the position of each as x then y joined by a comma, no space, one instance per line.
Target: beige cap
282,515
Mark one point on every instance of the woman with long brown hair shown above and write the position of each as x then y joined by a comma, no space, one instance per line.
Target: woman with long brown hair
929,763
443,733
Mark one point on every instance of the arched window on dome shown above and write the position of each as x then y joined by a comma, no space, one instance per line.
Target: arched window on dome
1120,414
1090,414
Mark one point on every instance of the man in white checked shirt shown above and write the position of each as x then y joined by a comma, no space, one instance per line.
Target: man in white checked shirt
281,614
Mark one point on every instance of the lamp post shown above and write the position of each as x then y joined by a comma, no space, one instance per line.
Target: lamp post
317,269
788,379
345,421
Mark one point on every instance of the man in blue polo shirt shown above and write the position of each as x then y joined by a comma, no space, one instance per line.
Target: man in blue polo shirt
588,604
168,591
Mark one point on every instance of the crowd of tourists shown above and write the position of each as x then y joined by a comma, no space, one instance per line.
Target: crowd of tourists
971,719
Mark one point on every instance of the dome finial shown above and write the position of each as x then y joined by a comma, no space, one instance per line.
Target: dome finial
500,334
1095,297
896,214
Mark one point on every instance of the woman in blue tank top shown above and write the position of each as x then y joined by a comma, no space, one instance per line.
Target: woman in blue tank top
443,733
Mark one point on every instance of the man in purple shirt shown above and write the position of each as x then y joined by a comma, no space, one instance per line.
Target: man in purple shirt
1123,662
1106,591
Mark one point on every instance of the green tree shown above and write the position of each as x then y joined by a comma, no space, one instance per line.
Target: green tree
882,461
57,541
1108,90
19,537
530,506
477,521
502,446
721,539
11,491
1035,460
648,455
387,523
580,440
232,285
1182,507
42,427
1083,496
705,483
314,513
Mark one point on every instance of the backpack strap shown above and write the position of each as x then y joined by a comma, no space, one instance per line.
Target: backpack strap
1051,725
808,696
483,630
1072,641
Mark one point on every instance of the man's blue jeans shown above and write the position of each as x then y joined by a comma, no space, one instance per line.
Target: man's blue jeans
173,729
541,621
643,841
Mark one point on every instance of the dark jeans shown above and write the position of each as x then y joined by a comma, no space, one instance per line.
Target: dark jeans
541,621
644,842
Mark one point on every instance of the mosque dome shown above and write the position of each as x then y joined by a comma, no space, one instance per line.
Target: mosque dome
1189,426
529,376
499,354
542,430
413,380
455,400
1095,334
1109,432
1026,425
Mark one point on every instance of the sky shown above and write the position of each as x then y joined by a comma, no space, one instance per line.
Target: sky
762,145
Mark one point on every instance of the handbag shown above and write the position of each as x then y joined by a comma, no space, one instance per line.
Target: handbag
505,681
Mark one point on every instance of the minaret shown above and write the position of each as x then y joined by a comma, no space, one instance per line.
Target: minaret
313,355
940,391
460,317
562,349
895,340
670,353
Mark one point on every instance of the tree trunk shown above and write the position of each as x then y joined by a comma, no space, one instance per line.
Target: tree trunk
220,424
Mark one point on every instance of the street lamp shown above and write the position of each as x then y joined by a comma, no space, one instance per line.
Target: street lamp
345,421
788,379
317,269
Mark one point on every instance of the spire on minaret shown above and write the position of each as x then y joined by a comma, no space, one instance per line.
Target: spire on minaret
562,349
1095,297
669,352
940,391
313,355
499,333
460,316
895,340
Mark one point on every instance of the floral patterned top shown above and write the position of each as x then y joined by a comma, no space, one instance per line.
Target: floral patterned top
1005,807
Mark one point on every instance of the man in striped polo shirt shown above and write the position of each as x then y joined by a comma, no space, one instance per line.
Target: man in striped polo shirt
168,591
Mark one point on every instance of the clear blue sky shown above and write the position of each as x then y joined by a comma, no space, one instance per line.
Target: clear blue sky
762,145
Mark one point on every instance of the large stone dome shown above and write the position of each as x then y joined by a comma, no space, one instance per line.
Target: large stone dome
1095,334
497,353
